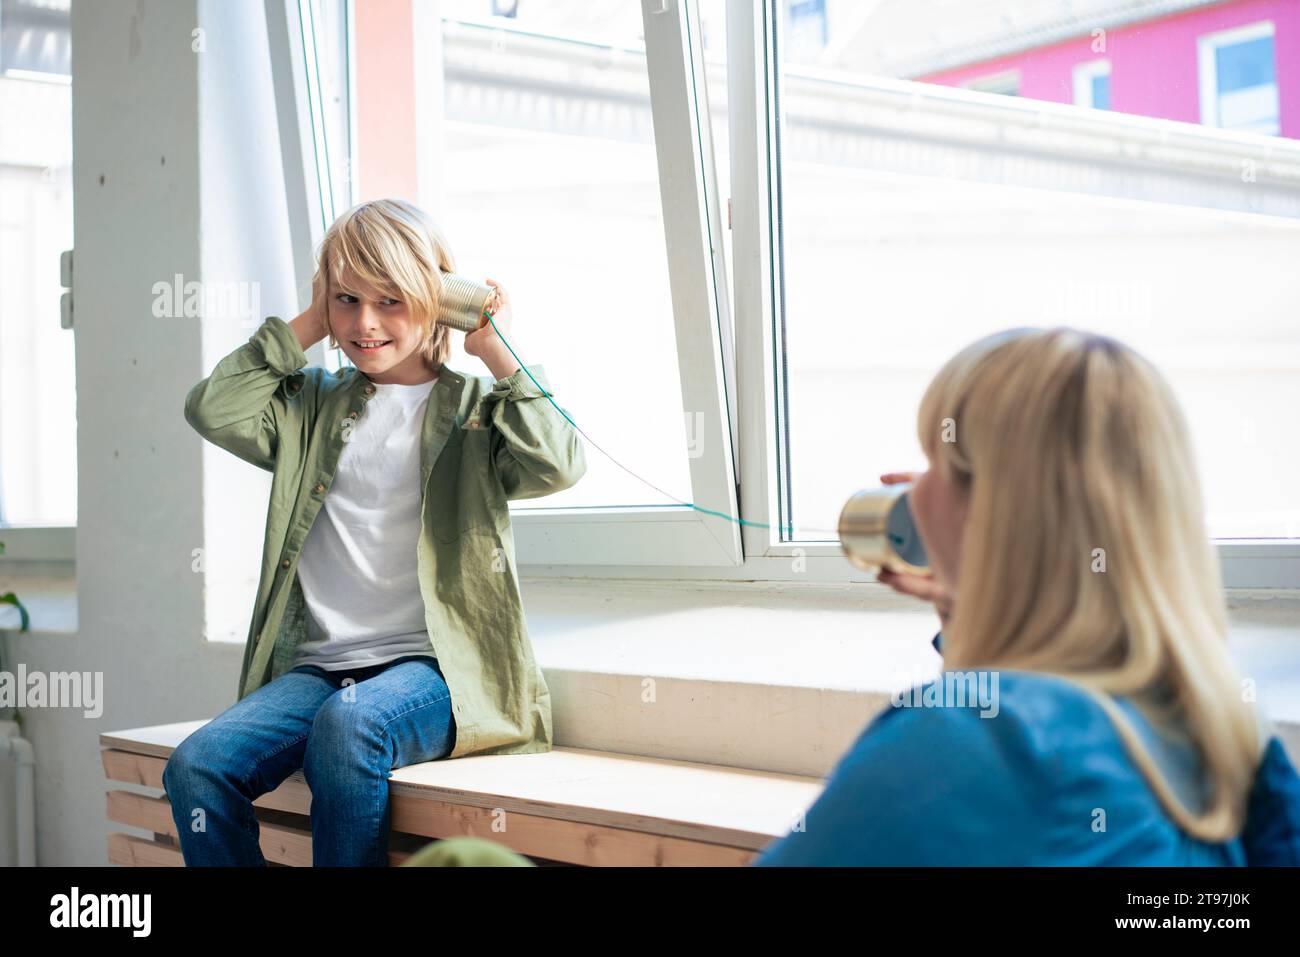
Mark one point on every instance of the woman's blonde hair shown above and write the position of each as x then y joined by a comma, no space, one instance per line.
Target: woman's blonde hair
1085,551
396,247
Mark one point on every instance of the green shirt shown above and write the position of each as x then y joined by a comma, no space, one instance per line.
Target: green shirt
483,442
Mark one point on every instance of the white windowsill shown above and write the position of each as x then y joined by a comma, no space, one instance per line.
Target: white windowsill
48,590
784,676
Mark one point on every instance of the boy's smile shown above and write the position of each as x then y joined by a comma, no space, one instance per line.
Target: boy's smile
377,332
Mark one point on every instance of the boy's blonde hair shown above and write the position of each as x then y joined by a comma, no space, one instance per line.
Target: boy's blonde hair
1085,552
396,247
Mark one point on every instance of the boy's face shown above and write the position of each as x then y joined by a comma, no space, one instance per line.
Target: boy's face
377,333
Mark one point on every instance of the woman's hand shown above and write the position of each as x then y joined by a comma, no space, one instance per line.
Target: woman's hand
484,341
923,587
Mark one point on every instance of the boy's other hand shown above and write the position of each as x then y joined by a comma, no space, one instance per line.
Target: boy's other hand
309,325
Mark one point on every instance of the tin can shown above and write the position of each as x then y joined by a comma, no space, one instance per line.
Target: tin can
877,531
463,302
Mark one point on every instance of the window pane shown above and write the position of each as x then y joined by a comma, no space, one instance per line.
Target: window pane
326,29
38,425
918,218
1244,84
34,37
1242,65
1101,92
548,183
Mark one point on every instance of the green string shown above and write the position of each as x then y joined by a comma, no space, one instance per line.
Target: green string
706,511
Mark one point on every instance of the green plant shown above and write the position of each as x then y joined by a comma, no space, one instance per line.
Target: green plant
12,599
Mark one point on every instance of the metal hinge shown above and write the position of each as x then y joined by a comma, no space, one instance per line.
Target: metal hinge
65,301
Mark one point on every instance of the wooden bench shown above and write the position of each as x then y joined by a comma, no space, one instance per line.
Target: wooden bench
565,806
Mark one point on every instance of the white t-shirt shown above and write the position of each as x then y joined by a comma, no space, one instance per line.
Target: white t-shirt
358,567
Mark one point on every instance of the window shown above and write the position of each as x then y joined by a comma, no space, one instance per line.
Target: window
38,450
540,143
807,29
1006,83
910,218
1092,84
1239,80
549,184
878,213
35,38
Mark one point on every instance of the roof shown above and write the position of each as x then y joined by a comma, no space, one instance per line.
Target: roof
905,39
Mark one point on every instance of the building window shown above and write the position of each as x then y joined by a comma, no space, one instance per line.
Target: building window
806,28
38,422
1092,84
1238,80
35,37
1007,83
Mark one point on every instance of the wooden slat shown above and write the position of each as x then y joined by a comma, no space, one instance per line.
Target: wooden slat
142,811
291,846
282,841
292,795
571,842
285,845
130,851
683,799
132,768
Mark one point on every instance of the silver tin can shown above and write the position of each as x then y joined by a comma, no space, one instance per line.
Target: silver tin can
877,531
463,302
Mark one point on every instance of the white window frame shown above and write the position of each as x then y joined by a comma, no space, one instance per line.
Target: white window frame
1084,74
1207,68
704,534
294,40
753,83
701,541
669,535
52,544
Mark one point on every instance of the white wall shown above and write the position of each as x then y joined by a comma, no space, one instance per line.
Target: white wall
161,187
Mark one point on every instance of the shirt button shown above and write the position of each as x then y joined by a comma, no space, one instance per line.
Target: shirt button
368,389
285,563
320,486
353,414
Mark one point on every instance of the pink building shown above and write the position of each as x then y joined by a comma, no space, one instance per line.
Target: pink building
1233,64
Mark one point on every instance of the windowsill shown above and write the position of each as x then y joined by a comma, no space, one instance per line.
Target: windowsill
784,676
48,590
778,676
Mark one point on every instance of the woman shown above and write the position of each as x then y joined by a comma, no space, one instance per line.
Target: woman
1075,578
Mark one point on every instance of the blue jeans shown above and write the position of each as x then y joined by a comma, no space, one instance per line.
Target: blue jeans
347,738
